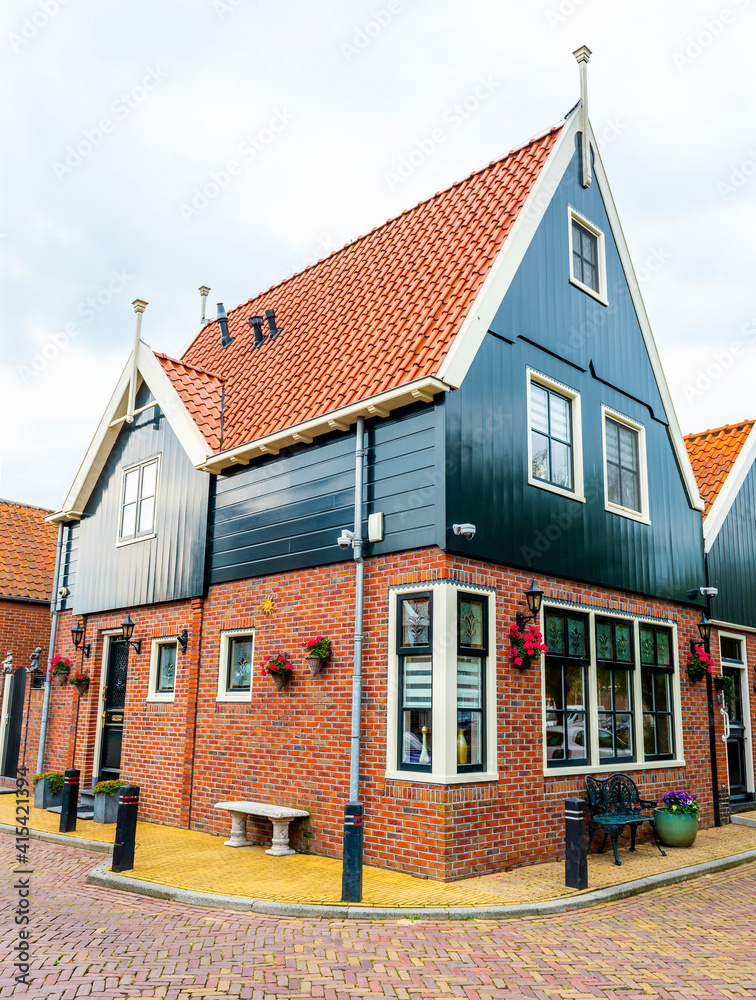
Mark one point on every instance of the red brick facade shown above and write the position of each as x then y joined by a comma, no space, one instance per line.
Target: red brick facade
292,747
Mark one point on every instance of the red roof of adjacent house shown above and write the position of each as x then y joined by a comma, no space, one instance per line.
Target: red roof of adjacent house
27,551
712,455
202,394
379,313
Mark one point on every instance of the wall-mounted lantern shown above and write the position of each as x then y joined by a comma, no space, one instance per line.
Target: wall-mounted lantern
77,634
127,630
533,596
704,629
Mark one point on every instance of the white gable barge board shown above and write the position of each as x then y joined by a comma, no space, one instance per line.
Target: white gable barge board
726,497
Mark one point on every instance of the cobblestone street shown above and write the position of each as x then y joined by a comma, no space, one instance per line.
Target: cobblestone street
692,940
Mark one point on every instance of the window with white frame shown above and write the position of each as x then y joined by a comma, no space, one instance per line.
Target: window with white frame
440,722
235,667
138,498
555,457
625,475
163,663
587,256
609,687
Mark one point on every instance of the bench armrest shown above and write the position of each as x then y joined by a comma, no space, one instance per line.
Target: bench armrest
648,804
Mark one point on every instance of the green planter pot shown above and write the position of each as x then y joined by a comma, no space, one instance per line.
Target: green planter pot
676,829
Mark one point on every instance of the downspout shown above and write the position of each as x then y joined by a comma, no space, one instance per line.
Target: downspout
710,707
53,636
359,589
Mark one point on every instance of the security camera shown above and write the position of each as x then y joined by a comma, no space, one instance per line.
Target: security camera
467,531
345,539
709,591
64,592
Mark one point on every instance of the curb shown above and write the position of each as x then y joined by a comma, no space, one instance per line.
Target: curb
100,877
62,839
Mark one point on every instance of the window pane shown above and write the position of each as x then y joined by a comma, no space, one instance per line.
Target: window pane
146,513
604,648
622,643
731,649
573,688
553,682
240,664
416,737
647,645
621,690
614,494
577,266
590,276
603,691
647,692
471,623
554,738
662,648
575,637
649,735
130,486
469,738
623,735
664,733
555,634
539,408
469,682
576,741
149,479
628,441
539,446
561,464
630,490
128,522
166,672
612,445
661,686
416,621
560,418
417,682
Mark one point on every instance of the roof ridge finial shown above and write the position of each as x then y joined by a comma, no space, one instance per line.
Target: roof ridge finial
583,54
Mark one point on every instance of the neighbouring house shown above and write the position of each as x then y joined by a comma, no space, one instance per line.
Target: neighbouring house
723,461
27,558
493,343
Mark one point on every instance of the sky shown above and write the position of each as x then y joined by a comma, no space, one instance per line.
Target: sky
150,148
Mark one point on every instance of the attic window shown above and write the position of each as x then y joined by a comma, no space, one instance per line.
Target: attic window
138,496
587,256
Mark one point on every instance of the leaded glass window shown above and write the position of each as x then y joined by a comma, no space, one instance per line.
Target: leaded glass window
472,646
565,676
414,642
585,264
656,692
239,672
551,437
623,486
615,662
138,501
165,680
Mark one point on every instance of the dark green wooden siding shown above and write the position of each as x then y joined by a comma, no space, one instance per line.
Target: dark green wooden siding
732,560
169,566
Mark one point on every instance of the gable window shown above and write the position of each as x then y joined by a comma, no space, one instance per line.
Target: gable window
235,667
587,256
163,662
554,436
625,482
138,495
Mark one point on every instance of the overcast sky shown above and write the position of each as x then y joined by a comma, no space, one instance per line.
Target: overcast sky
150,148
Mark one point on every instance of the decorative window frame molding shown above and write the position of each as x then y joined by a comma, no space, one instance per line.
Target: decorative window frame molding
533,375
601,295
153,695
444,633
745,694
120,542
644,515
595,765
223,693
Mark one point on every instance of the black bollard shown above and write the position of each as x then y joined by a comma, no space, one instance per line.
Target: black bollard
351,874
125,835
70,800
576,844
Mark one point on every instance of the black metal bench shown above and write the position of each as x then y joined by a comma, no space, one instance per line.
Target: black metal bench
613,804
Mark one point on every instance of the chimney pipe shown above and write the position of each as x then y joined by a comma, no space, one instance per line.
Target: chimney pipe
204,292
256,323
223,323
583,54
273,330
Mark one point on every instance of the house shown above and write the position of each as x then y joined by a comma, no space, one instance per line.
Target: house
27,558
478,376
723,461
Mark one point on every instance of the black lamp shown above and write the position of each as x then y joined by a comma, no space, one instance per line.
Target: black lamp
533,596
704,628
127,630
77,634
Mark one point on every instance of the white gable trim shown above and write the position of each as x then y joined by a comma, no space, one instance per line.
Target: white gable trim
170,403
726,497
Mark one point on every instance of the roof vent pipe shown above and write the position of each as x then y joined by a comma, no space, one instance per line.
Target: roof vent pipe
583,54
204,292
223,324
273,330
256,323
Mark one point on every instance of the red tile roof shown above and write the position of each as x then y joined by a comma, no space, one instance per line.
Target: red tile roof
202,394
712,455
27,551
379,313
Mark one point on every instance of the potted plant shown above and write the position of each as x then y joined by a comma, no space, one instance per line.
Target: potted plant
107,794
80,680
318,652
48,789
726,685
677,819
60,667
279,668
526,646
699,663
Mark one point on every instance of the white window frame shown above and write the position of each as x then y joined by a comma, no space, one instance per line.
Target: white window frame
644,515
152,692
640,763
444,706
745,694
147,535
547,382
601,295
223,693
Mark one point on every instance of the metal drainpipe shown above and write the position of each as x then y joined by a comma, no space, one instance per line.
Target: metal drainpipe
359,586
710,710
53,635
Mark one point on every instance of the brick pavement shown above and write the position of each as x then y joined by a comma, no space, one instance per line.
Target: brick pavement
694,940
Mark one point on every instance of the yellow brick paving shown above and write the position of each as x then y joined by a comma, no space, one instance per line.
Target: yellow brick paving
188,859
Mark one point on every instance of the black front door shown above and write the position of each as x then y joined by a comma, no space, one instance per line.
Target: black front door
736,758
114,703
13,722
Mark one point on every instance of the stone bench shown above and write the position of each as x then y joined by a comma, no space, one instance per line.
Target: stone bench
280,817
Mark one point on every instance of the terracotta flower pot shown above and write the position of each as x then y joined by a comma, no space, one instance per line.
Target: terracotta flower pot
676,829
316,664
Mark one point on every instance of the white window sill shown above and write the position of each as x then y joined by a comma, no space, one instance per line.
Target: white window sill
138,538
541,484
631,515
161,698
424,778
617,766
589,291
230,698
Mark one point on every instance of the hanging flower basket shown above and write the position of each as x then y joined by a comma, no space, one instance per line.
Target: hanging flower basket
699,664
526,646
279,668
318,652
60,667
79,680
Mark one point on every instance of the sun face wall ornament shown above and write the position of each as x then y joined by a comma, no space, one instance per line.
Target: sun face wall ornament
268,606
